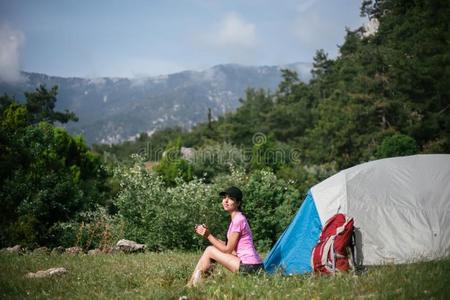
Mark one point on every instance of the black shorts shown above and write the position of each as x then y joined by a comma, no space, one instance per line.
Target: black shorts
250,268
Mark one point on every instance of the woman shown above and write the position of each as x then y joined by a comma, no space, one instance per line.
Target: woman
238,254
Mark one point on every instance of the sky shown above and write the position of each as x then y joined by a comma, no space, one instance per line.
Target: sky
137,38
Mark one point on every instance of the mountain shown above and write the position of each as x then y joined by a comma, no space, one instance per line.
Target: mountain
112,110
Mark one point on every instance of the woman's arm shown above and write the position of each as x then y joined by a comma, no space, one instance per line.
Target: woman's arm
226,248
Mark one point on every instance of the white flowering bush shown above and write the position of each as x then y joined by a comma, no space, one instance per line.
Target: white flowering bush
163,217
188,204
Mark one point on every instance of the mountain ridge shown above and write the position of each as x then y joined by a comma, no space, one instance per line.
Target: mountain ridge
115,109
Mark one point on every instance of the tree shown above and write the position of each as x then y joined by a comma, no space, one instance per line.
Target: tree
41,104
5,101
321,65
291,114
394,81
241,126
413,37
47,176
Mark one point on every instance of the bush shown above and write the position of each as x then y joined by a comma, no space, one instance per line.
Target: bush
92,229
397,145
268,206
172,165
164,217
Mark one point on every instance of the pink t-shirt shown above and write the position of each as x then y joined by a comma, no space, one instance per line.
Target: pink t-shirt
245,249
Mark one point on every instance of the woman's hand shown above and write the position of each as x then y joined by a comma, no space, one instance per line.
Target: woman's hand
202,230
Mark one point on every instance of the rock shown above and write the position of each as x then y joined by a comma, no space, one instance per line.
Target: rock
94,252
46,273
41,250
74,250
114,250
58,250
15,249
371,28
130,246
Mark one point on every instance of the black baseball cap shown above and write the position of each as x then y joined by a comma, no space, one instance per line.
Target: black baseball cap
232,191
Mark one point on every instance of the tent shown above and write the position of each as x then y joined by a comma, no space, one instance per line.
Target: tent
401,208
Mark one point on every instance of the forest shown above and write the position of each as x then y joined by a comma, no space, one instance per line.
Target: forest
386,94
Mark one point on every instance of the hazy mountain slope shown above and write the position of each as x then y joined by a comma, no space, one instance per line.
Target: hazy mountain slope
112,110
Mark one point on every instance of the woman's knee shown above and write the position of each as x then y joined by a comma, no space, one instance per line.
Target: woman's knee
209,249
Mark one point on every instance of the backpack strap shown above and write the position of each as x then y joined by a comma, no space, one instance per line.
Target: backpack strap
341,228
327,247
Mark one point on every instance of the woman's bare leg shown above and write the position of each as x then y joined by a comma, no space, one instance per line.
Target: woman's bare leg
229,261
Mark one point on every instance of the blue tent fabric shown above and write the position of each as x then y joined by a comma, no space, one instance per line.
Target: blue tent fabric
292,252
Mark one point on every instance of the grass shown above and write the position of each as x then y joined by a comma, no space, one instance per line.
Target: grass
163,276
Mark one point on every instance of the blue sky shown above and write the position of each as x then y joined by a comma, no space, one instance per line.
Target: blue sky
132,38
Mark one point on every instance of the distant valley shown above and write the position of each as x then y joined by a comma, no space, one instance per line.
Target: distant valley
113,110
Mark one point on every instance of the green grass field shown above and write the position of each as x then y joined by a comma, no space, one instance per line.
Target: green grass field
163,276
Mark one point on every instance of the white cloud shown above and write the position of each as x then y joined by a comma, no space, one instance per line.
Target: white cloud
234,32
11,41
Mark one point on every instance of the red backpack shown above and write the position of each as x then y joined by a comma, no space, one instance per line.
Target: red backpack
331,253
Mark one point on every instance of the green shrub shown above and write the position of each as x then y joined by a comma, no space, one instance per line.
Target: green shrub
164,217
172,165
269,204
397,145
91,229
